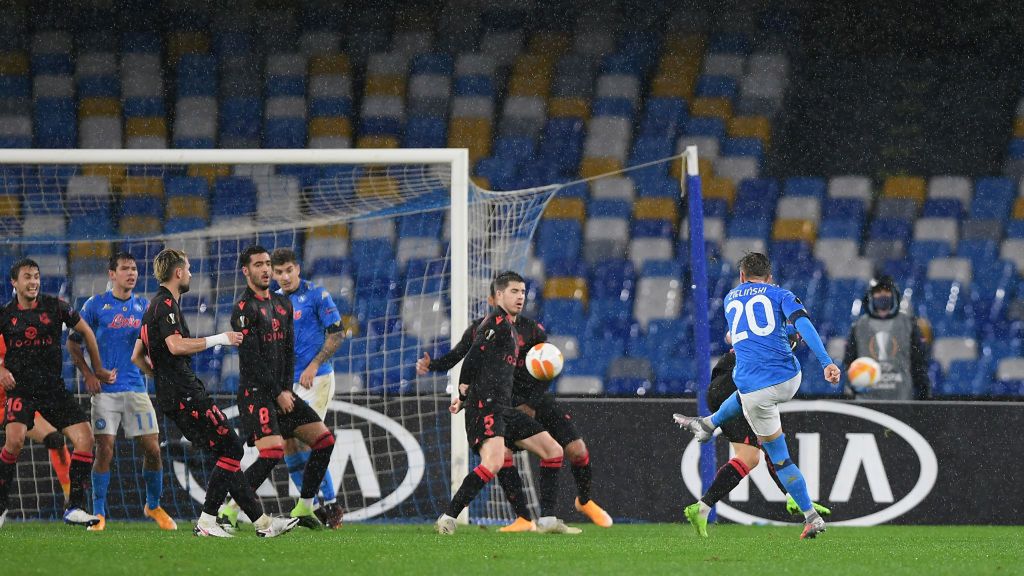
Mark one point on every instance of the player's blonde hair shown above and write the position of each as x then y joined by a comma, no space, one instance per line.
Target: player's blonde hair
166,262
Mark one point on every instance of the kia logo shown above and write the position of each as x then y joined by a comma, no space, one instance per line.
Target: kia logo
860,452
350,451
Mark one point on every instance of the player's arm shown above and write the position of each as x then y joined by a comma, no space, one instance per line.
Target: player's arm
330,322
141,359
98,372
796,314
449,360
75,339
919,364
6,378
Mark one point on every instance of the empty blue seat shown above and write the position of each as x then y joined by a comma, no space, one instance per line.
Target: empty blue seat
621,63
240,117
515,148
756,198
475,85
890,229
15,87
675,376
992,198
743,147
749,227
99,87
806,186
137,206
141,42
558,240
56,124
285,133
663,117
52,65
285,86
420,225
144,107
500,173
709,86
601,351
612,280
227,43
980,252
186,186
705,126
339,106
1015,229
233,196
197,75
923,251
432,63
843,209
612,107
650,148
609,209
563,317
942,208
730,43
662,268
176,225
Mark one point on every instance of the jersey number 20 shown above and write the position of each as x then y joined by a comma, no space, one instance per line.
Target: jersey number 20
740,309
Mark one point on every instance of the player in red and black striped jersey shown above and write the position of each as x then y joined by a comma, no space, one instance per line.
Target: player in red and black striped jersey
31,326
532,397
492,422
269,410
164,351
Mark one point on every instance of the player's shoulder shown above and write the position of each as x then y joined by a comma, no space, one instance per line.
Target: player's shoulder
280,299
51,302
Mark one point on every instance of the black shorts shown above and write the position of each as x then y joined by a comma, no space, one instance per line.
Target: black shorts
262,417
485,421
736,430
557,420
58,408
203,424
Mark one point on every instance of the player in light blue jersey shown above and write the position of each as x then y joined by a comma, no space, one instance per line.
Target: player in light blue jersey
116,318
318,334
766,374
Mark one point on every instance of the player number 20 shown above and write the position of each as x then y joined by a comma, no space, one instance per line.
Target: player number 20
739,309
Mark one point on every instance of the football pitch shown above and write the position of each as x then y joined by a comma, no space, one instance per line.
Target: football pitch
141,549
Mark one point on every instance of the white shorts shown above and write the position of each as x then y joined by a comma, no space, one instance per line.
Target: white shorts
134,410
319,395
761,407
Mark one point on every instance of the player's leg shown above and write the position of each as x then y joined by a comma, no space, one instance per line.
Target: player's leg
703,429
106,412
492,456
319,397
140,422
512,485
313,433
728,477
550,453
80,435
18,419
60,459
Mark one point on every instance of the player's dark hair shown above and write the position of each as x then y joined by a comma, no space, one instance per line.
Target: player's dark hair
244,259
501,281
282,256
493,291
755,265
116,259
166,262
23,263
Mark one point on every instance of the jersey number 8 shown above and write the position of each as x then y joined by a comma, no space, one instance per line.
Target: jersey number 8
739,309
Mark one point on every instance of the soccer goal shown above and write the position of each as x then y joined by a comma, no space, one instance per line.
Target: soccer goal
402,240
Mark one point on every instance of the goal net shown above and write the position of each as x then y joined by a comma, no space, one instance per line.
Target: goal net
403,243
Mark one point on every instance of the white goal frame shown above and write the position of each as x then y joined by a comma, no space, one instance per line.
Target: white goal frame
456,158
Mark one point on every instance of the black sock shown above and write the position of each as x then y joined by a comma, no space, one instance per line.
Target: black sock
512,484
8,462
316,466
550,468
244,496
471,486
260,470
581,472
728,476
80,473
220,483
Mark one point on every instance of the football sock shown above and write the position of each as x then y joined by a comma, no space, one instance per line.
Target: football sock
60,459
220,484
100,484
7,464
471,486
774,474
729,409
581,473
260,470
154,487
790,475
727,478
81,470
512,484
316,466
244,496
548,484
296,466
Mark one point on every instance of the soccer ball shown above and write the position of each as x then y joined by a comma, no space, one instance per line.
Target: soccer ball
864,372
544,361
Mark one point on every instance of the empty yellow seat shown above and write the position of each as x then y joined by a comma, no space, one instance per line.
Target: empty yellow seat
656,209
566,209
333,231
87,250
209,171
750,127
377,141
10,206
686,44
591,167
705,167
330,126
152,126
350,323
186,42
113,172
99,107
672,86
377,187
13,64
481,182
333,64
539,64
471,133
1018,127
714,188
908,187
795,230
385,86
566,287
186,207
536,84
715,107
562,107
550,43
148,186
138,225
1018,209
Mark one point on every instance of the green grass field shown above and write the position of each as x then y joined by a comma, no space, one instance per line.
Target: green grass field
140,550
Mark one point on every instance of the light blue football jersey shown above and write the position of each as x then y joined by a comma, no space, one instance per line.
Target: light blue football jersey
314,311
117,324
757,316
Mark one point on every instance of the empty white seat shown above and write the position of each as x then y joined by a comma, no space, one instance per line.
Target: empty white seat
731,65
45,86
412,42
736,248
529,107
767,85
290,64
387,64
1010,369
88,186
643,249
194,247
334,284
946,350
100,132
84,285
857,187
579,385
383,107
836,347
955,187
373,229
330,86
707,146
319,43
96,64
145,142
474,64
608,137
736,168
51,42
417,248
229,366
1013,250
142,85
604,228
327,142
317,248
569,346
937,229
612,188
425,317
278,197
502,45
286,107
202,323
196,117
768,62
858,268
254,172
594,42
34,226
799,208
15,126
472,107
423,86
657,298
714,230
138,63
618,86
958,269
226,224
838,250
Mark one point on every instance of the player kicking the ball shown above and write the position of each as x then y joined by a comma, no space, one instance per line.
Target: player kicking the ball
767,373
492,423
30,346
164,351
116,318
270,411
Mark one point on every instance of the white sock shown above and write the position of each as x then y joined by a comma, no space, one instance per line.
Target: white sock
307,502
262,523
205,518
329,502
705,510
811,515
706,424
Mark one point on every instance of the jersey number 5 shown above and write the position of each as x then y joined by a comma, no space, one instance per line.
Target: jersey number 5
739,309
